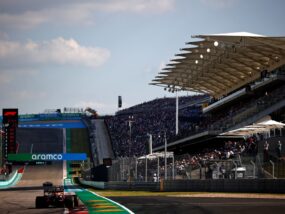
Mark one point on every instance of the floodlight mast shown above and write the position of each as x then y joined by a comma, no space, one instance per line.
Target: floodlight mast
150,143
165,158
130,121
177,121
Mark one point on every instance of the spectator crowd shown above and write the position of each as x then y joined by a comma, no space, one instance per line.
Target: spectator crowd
129,129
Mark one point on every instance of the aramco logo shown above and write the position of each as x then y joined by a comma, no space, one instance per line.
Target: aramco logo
47,157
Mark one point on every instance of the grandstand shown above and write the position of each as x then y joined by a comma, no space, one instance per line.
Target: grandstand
153,117
243,73
240,77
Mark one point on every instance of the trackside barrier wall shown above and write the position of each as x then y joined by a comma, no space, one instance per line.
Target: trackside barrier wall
13,180
219,185
149,186
223,185
96,184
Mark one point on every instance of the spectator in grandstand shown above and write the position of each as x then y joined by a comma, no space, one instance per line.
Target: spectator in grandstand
279,148
229,150
251,146
229,154
4,171
158,116
155,117
265,151
140,177
155,178
222,171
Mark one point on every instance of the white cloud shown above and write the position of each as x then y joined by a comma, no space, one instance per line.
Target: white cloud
28,19
81,12
25,20
57,51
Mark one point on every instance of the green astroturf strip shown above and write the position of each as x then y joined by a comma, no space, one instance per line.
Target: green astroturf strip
93,202
97,204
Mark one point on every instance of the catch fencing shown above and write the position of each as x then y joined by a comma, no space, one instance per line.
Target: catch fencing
187,167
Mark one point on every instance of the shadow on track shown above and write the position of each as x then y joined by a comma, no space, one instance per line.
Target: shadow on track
22,188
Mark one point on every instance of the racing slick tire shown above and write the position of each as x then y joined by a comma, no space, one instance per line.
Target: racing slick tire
75,199
68,202
40,202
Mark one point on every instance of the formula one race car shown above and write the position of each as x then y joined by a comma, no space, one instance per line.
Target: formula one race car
54,196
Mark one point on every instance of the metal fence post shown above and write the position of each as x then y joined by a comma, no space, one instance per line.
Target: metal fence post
173,167
200,167
129,169
235,169
136,168
145,168
158,173
272,163
253,168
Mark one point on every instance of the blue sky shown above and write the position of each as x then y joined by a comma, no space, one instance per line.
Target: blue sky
79,53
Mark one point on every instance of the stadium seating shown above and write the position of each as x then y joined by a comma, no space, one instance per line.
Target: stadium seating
155,117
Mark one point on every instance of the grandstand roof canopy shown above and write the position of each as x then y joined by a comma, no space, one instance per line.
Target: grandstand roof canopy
261,127
218,64
157,155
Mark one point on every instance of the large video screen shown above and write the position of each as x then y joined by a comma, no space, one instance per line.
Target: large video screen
9,126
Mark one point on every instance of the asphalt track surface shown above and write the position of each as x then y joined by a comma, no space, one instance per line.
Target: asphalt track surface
165,205
21,198
103,144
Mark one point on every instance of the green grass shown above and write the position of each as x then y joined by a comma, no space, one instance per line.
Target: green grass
80,141
97,204
115,193
118,193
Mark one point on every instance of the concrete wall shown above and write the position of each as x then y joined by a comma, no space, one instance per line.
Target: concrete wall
146,186
96,184
239,185
223,185
121,185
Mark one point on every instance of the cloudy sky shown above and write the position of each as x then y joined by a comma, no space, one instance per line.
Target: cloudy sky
79,53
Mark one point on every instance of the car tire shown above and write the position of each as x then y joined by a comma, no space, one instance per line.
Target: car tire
40,202
69,203
75,199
